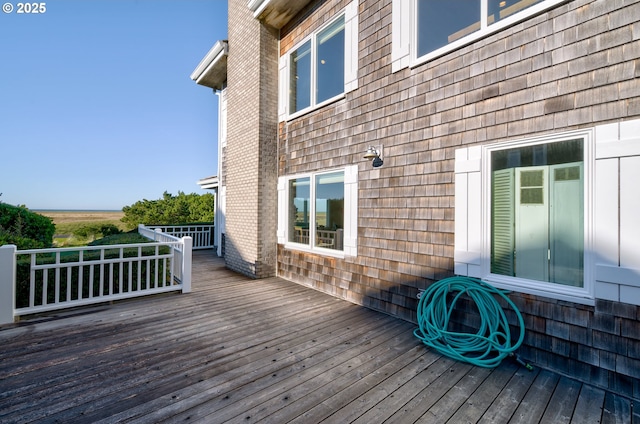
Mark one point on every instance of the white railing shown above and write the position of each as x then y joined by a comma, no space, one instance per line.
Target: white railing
41,280
202,234
157,235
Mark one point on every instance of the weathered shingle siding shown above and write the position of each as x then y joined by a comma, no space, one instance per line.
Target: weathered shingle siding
572,67
250,168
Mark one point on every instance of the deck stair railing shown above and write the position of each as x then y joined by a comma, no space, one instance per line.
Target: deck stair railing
41,280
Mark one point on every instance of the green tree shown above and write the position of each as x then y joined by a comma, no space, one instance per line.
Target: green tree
170,210
25,229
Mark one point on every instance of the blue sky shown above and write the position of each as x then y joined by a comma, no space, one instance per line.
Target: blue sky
97,110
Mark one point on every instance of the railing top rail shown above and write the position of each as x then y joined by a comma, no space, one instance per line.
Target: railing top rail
105,247
156,234
188,224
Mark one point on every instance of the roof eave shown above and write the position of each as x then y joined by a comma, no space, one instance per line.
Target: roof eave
276,13
212,69
209,183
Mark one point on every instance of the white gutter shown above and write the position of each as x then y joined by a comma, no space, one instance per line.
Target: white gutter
209,183
217,52
257,6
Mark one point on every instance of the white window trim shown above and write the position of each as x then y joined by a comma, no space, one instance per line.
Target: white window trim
350,242
350,13
404,49
612,231
473,224
558,291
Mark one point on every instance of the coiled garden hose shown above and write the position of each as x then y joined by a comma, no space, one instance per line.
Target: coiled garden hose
490,344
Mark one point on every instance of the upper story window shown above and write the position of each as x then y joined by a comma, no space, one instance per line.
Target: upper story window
442,22
316,69
322,67
425,29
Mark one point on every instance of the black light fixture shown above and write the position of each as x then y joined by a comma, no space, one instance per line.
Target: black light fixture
373,153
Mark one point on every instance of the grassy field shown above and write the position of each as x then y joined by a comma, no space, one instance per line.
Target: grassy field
69,222
67,217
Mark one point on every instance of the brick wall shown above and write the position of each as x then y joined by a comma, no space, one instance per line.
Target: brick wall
572,67
250,170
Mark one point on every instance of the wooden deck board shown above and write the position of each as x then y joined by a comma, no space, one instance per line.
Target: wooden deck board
386,403
243,350
616,410
243,371
536,401
363,391
589,406
478,403
564,399
503,406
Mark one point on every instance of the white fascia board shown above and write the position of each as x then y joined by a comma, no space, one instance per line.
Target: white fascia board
257,6
209,183
217,52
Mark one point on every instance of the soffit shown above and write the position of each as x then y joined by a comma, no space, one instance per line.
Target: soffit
276,13
212,69
210,183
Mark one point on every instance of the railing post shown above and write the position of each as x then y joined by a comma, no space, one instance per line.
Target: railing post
7,283
212,236
187,247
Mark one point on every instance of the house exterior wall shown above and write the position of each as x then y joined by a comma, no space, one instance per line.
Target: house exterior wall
250,169
572,67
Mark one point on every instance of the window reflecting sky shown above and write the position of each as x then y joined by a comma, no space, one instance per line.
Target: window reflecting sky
441,22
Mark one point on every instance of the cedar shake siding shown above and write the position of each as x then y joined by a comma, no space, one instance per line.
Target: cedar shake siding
572,67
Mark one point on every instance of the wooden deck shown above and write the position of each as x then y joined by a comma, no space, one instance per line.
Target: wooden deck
241,350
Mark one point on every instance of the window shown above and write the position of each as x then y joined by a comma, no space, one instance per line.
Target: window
441,22
425,29
522,216
300,78
537,212
576,236
323,53
319,211
316,213
322,67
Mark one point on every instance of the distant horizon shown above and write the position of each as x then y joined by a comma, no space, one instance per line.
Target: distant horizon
73,210
64,209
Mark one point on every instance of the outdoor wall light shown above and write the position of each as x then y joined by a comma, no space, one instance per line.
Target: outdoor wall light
373,153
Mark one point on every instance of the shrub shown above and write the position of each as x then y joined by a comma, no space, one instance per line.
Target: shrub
170,210
87,230
25,229
120,238
109,230
96,230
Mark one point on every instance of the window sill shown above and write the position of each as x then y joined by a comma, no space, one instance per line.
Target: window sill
537,288
315,107
316,251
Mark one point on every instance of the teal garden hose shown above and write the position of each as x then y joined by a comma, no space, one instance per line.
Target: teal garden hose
490,344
